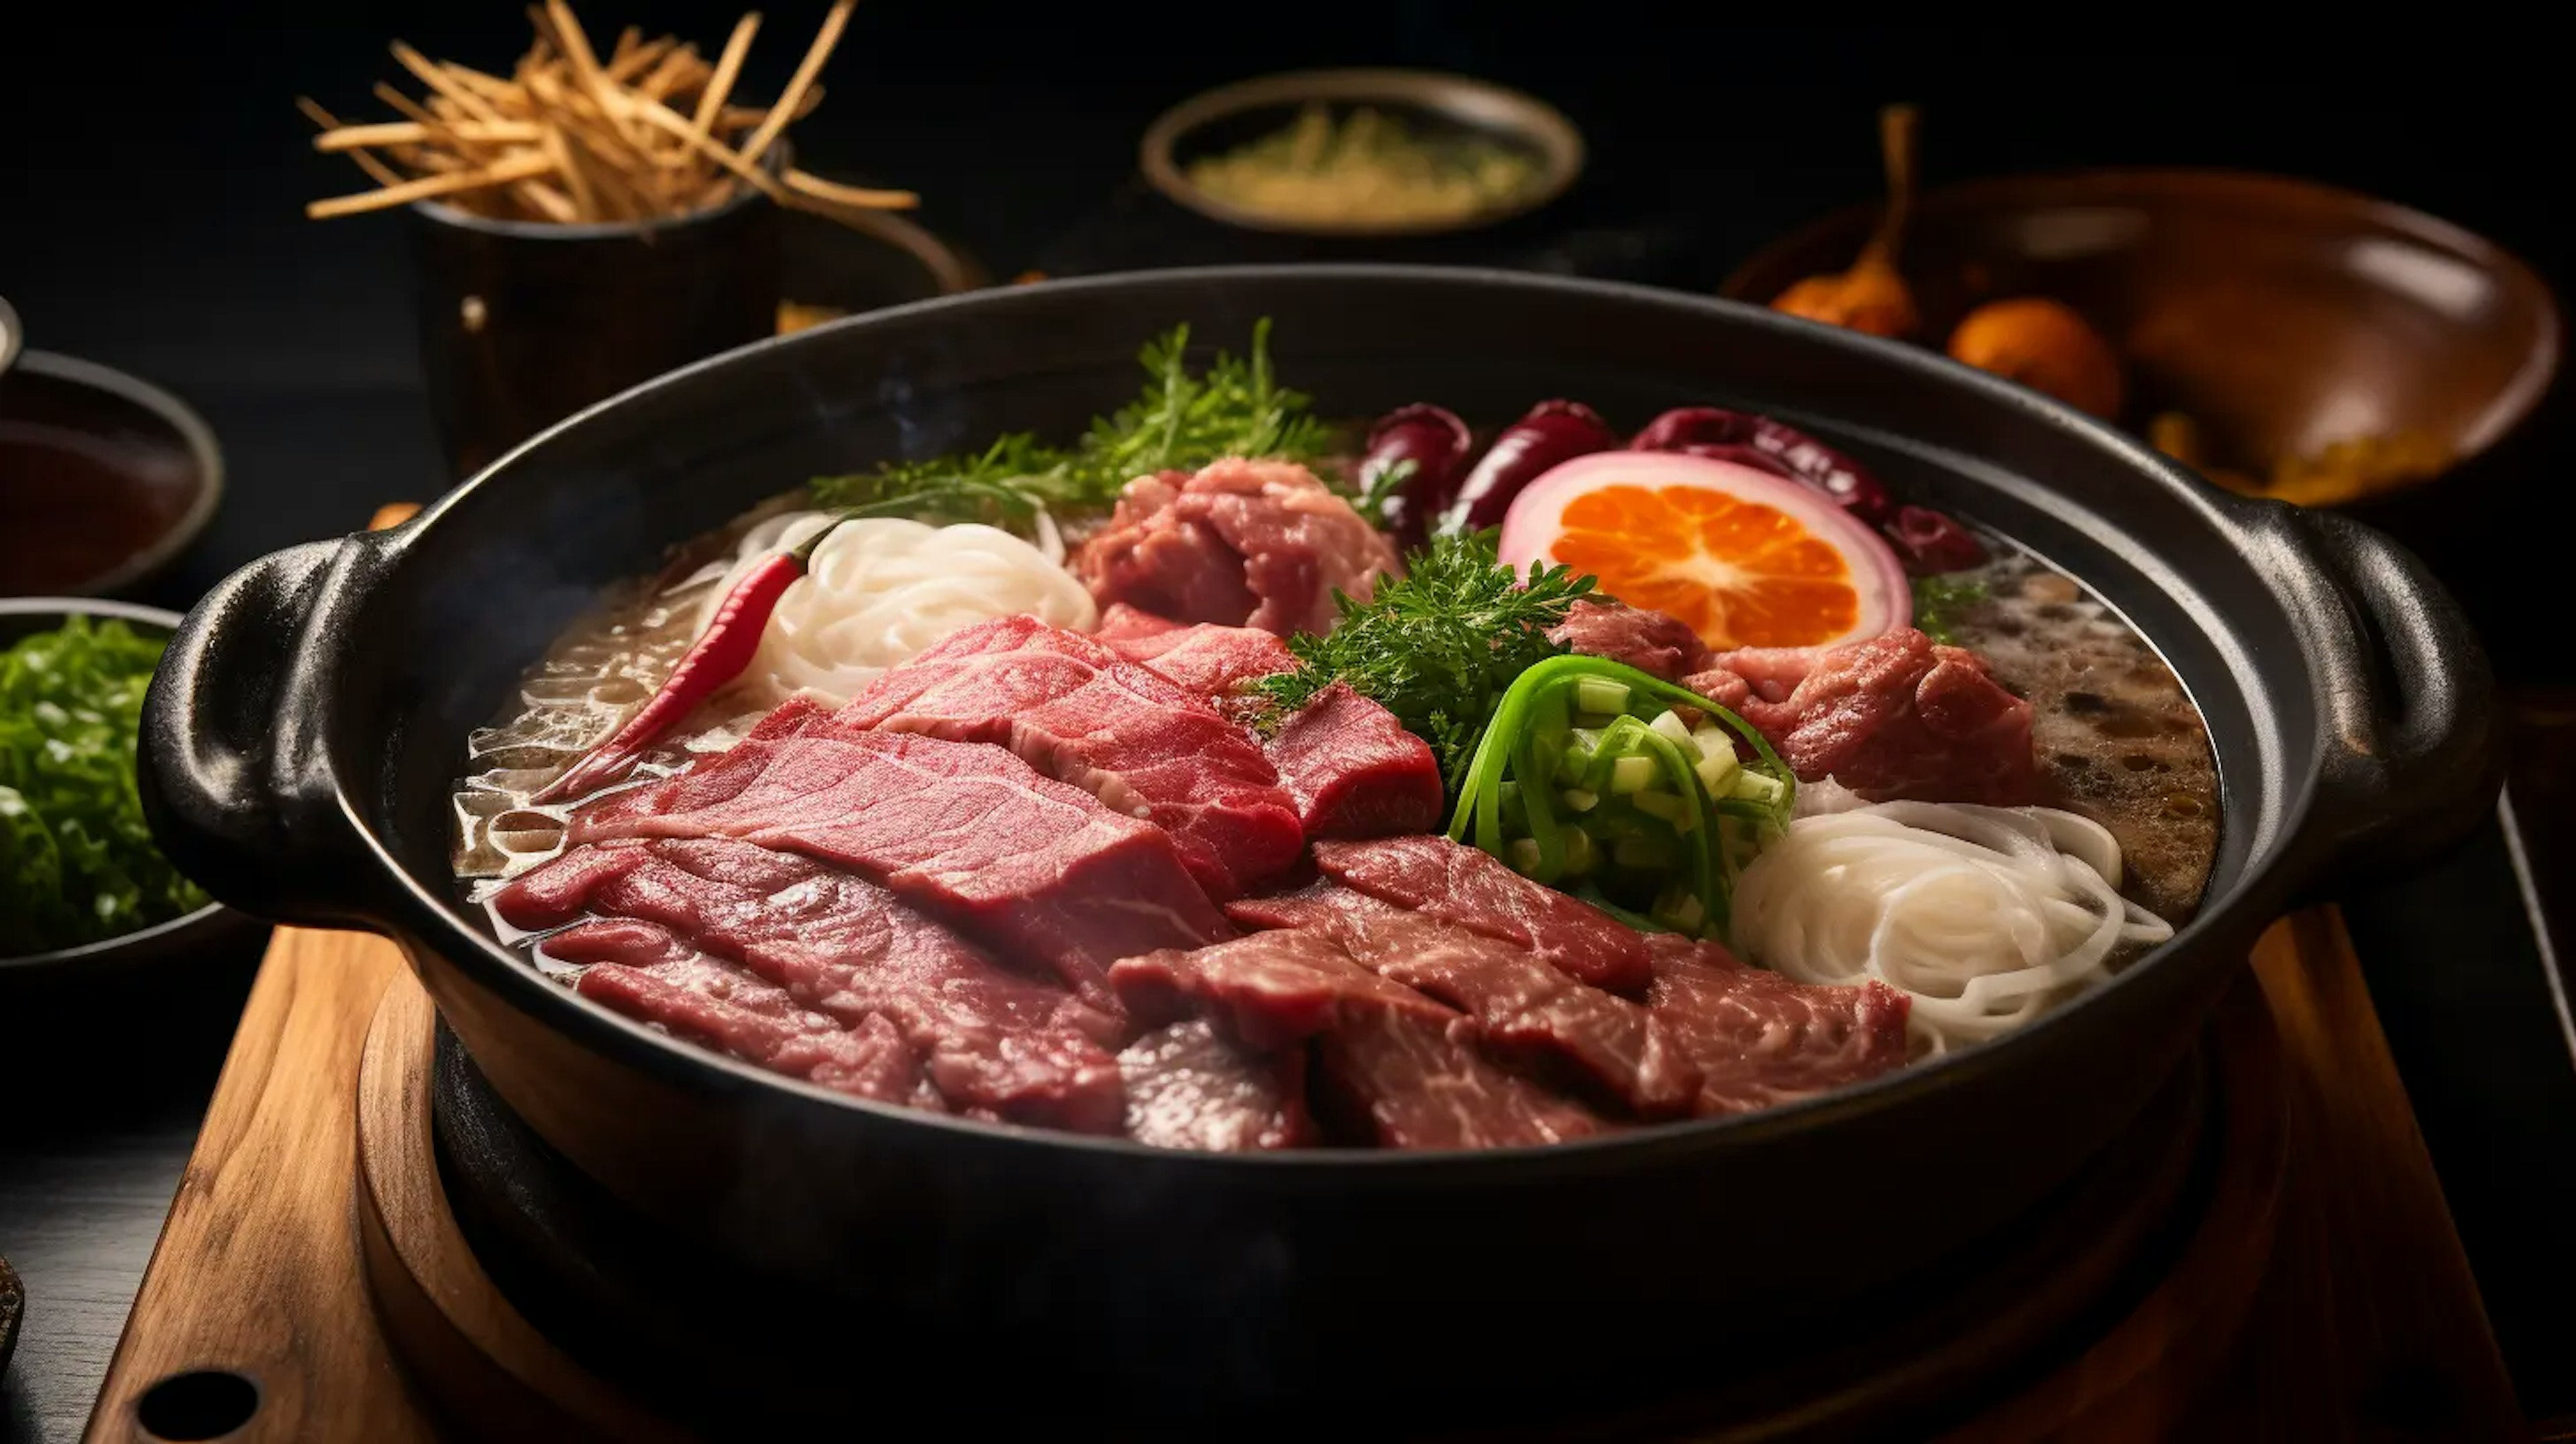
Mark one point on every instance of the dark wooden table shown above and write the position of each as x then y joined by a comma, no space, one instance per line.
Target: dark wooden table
167,239
92,1144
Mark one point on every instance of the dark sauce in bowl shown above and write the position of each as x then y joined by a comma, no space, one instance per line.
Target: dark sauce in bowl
102,478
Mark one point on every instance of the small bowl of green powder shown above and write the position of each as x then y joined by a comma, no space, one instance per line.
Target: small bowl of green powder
1362,153
81,881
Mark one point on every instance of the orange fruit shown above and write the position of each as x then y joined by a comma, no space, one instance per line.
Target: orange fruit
1869,297
1744,558
2045,347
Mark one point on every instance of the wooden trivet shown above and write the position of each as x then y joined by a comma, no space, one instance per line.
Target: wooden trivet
2359,1315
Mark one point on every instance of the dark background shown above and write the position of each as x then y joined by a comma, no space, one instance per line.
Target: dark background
153,169
155,165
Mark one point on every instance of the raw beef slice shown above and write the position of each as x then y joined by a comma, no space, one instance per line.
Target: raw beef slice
1077,711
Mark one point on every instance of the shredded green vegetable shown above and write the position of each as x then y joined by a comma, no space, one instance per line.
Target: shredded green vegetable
1180,421
77,863
1630,807
1938,601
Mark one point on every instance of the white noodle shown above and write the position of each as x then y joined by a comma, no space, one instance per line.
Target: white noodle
1984,916
880,590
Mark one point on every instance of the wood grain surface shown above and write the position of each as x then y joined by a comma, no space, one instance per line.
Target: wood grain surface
257,1270
2370,1301
456,1333
256,1265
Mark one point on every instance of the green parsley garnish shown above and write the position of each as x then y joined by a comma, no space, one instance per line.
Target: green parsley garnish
1938,603
1439,647
76,862
1180,422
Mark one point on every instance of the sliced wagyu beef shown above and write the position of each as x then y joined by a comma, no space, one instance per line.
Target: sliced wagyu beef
1527,1013
642,970
994,1042
1269,989
1479,892
1413,1086
1208,659
1397,1067
1031,867
1351,769
1191,1086
1354,771
1076,710
1760,1039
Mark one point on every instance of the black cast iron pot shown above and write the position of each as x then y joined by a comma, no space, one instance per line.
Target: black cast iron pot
304,734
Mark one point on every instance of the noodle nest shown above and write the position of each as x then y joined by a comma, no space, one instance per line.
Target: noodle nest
1985,917
879,591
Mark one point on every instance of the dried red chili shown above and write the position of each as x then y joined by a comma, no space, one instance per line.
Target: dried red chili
718,656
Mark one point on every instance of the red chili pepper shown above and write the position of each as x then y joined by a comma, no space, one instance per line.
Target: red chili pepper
1553,431
1768,445
1931,543
1436,442
718,656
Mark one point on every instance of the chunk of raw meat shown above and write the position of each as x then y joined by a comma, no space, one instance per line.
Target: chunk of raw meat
1760,1039
1413,1085
1033,867
1077,711
1188,1086
1354,771
994,1042
1527,1013
644,972
1207,658
1246,543
1649,641
1462,885
1896,716
1270,989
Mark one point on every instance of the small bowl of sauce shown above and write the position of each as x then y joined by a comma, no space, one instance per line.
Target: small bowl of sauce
104,479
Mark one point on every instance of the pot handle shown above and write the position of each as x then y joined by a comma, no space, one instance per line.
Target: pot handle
2411,756
235,777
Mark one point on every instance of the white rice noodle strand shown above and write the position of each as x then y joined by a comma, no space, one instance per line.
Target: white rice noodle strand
881,590
1985,917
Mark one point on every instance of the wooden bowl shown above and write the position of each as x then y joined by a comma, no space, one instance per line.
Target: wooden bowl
2281,315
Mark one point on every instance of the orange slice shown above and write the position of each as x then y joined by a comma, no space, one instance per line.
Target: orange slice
1745,558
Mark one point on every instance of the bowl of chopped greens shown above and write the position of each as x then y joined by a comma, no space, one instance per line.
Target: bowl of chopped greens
81,881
